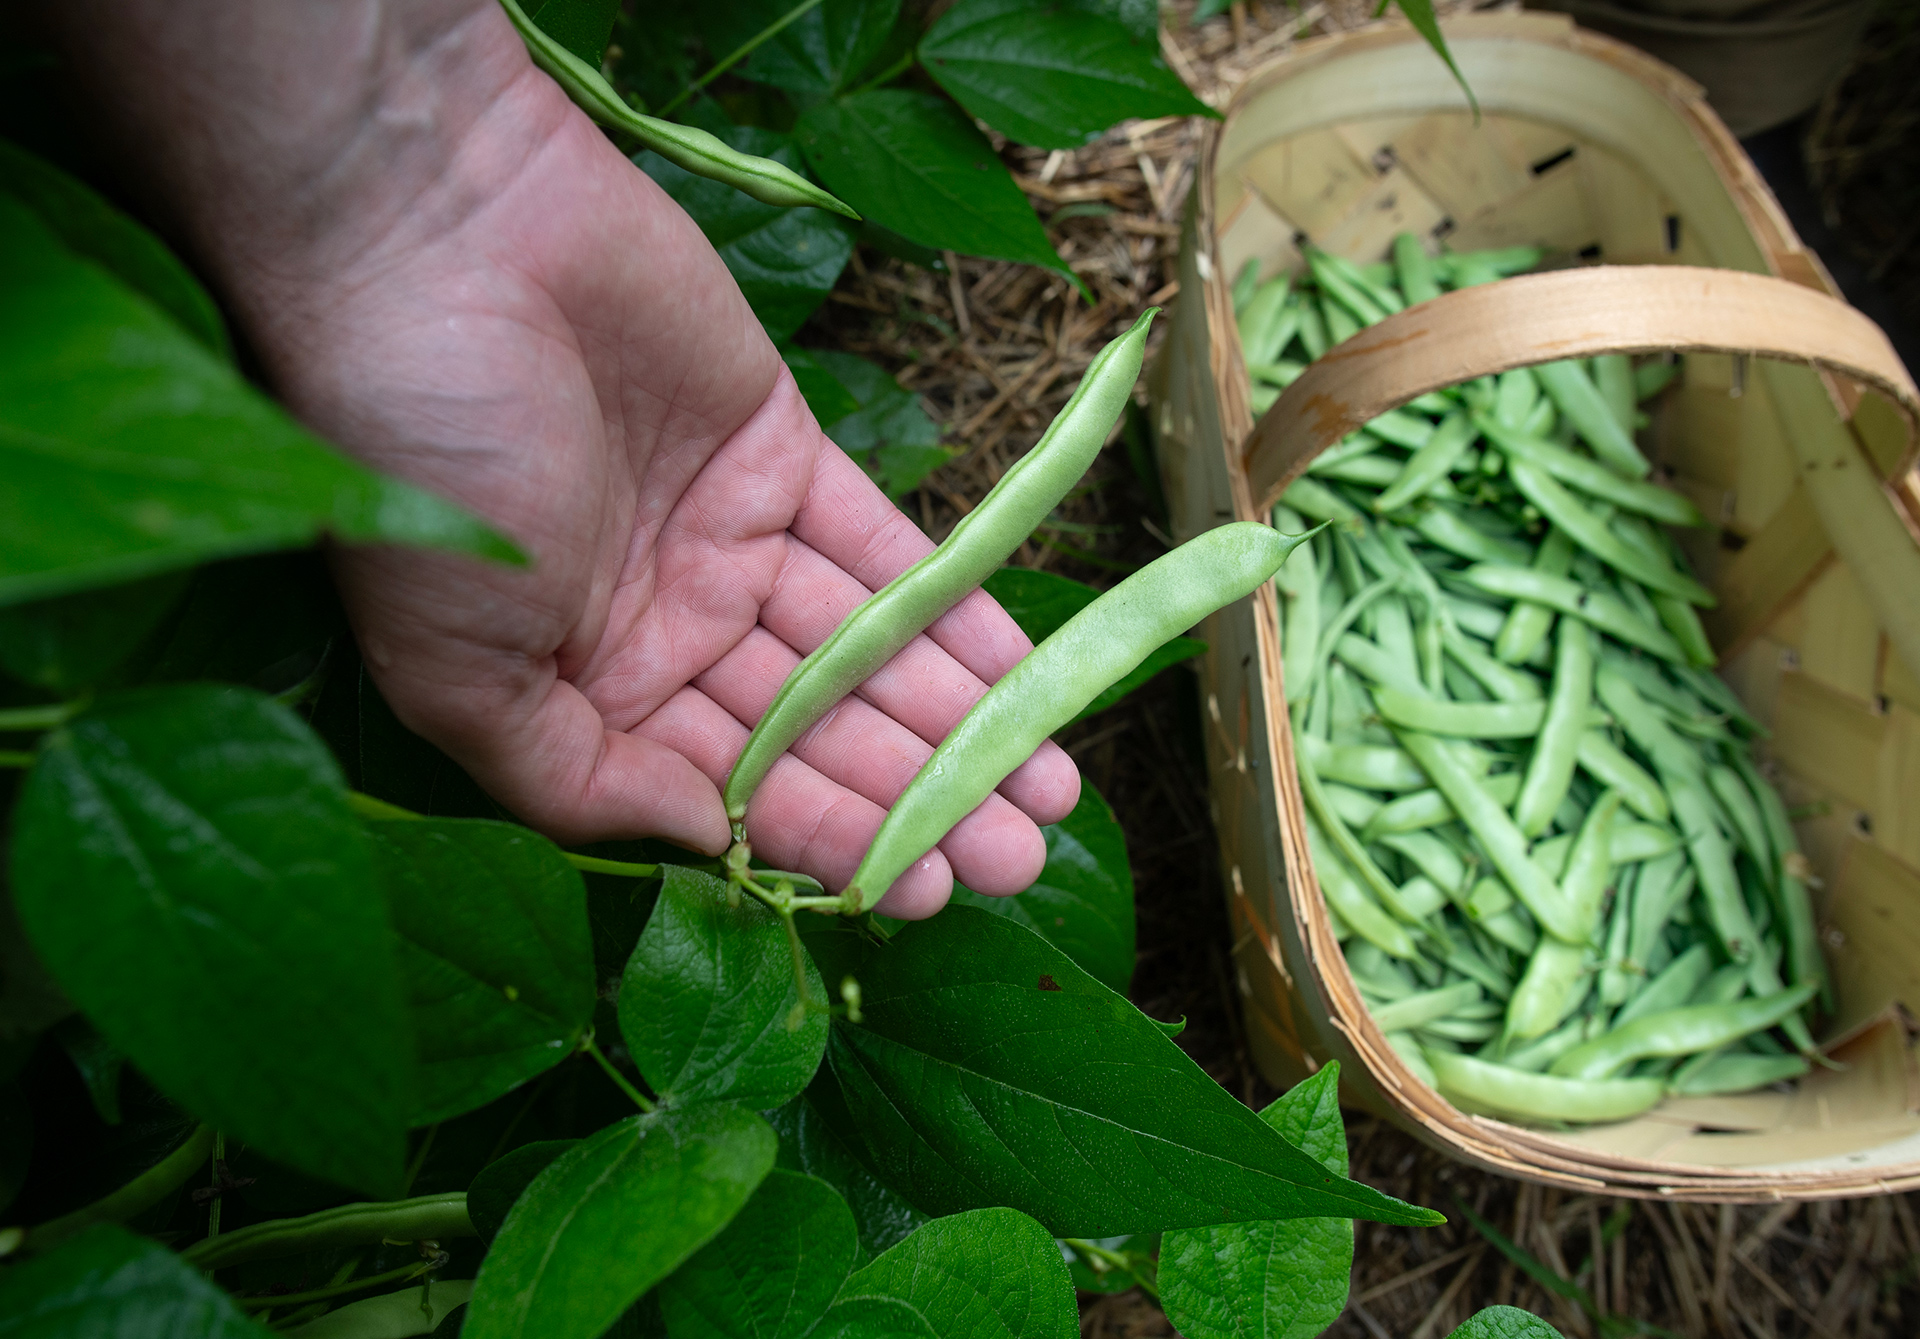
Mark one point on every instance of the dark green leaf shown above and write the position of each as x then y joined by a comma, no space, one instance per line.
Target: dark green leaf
708,998
503,1181
817,55
989,1069
99,1064
1082,902
984,1274
1051,76
385,759
773,1272
1420,14
131,450
88,226
1281,1280
581,26
1041,601
70,642
495,952
785,260
1504,1322
874,1318
809,1144
106,1281
185,863
613,1217
887,432
829,400
914,163
1140,17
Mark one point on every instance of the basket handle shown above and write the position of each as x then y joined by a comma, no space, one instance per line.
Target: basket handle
1536,318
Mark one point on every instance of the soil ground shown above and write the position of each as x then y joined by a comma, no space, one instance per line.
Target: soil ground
995,349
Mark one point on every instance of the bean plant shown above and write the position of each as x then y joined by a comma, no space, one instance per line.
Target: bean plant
299,1032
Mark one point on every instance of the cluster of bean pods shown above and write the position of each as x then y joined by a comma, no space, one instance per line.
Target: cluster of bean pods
1084,657
1563,887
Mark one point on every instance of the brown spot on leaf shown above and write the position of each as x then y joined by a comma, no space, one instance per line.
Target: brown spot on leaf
1048,983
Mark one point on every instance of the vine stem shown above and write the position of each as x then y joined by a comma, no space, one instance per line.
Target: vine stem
897,68
1113,1260
404,1274
619,1079
592,864
16,720
136,1196
742,53
15,758
219,1186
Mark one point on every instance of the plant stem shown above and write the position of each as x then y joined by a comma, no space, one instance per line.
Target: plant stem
595,865
619,1079
18,719
136,1196
420,1157
15,758
423,1218
314,1310
1114,1260
404,1274
219,1176
738,55
892,71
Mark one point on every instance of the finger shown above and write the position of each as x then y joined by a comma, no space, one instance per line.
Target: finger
799,819
544,753
994,849
923,687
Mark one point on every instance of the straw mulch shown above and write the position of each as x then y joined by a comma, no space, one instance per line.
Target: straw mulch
994,350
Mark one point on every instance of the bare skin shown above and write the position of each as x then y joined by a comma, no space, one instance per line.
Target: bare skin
447,270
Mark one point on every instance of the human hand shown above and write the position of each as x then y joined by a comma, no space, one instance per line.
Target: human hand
449,271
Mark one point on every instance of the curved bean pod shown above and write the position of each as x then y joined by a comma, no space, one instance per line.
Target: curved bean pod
434,1217
1567,383
872,634
1672,988
1498,1090
1605,762
1550,769
1505,846
1546,992
1474,720
1443,528
1712,1074
1585,882
1535,588
700,153
1591,477
1425,1007
1090,651
1684,1031
1593,535
1350,901
1529,622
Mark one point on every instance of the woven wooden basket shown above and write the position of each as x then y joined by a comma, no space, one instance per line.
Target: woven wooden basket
1614,162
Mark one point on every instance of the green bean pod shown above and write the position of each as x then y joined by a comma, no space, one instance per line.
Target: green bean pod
1433,858
1804,962
1605,762
1498,1090
1533,588
1618,974
1299,581
1350,901
1347,845
1567,383
1501,680
1738,805
1687,1030
1315,501
1672,988
697,151
1672,756
1713,862
1419,810
1585,882
1591,477
1474,720
1444,528
1488,821
1394,668
1719,1072
1546,993
1087,654
1613,376
1663,885
1338,281
1427,1006
1652,377
1550,769
1264,325
1415,269
1592,534
873,633
1369,766
1529,621
1679,618
1430,463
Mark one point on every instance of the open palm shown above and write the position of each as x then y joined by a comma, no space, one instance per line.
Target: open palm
467,285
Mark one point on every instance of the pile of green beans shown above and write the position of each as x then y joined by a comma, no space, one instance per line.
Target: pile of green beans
1561,882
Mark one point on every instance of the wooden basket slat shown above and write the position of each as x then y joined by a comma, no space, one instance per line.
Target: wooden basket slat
1312,148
